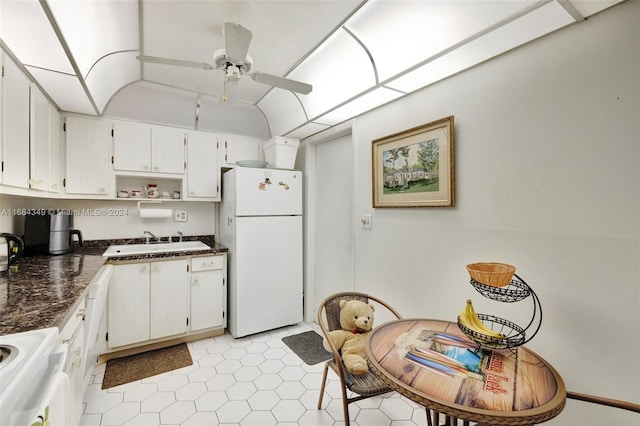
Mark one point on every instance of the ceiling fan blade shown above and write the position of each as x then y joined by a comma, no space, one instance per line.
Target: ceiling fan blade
282,83
236,39
176,62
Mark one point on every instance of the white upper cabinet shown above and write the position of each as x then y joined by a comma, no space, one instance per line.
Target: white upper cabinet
167,150
236,148
15,125
87,156
139,147
203,172
1,113
55,150
30,147
131,146
39,148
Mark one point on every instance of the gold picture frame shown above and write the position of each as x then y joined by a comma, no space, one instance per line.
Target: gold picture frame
415,167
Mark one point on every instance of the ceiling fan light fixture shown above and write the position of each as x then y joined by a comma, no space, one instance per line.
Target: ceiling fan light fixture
230,91
222,61
233,73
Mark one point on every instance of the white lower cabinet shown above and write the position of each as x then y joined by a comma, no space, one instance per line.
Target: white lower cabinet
128,305
168,298
208,292
151,301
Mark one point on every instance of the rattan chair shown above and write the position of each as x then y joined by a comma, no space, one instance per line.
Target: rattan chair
364,386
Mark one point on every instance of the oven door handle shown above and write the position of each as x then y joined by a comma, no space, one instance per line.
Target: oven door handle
53,406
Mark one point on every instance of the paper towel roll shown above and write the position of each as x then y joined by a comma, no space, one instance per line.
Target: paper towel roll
155,213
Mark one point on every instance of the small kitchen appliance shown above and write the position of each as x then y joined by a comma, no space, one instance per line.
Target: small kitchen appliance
11,248
51,233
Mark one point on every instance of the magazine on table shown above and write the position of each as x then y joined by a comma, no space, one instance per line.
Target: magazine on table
446,354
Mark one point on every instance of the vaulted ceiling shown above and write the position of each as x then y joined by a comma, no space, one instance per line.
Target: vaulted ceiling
356,54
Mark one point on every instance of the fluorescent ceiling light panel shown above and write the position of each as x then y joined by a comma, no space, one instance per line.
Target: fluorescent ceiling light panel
65,89
283,111
339,70
539,22
402,33
589,7
93,29
307,130
360,105
25,29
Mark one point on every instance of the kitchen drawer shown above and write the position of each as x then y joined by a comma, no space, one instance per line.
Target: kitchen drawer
67,333
206,263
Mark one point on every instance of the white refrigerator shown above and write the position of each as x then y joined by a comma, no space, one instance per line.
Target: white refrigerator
261,224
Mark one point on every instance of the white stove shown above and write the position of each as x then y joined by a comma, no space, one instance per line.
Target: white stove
33,385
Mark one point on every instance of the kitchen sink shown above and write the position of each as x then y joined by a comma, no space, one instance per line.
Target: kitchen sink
154,248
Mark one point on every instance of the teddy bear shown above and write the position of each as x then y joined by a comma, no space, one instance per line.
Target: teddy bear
356,320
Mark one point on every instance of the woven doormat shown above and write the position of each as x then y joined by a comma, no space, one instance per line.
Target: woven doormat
308,346
140,366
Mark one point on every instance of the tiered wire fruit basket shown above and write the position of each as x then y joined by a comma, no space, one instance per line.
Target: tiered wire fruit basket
514,335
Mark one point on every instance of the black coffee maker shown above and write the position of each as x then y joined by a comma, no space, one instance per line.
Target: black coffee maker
51,233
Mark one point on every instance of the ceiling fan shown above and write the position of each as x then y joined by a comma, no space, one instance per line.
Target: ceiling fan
235,62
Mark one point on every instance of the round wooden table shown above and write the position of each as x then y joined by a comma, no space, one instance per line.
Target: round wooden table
434,364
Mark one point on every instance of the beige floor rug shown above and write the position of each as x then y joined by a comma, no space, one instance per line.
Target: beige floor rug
140,366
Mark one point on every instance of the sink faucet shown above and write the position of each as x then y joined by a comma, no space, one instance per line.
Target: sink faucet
179,235
149,234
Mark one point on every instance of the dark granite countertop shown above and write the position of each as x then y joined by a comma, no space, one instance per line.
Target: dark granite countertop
43,291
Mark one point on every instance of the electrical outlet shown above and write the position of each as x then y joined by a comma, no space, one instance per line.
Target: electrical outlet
180,215
366,221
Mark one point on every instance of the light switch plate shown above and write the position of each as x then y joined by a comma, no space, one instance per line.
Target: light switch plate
366,221
180,215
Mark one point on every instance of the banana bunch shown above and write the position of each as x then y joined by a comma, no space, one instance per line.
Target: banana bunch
469,318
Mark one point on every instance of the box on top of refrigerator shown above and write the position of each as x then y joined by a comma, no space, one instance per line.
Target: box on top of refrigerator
280,152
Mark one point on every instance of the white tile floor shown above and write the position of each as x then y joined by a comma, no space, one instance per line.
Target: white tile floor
256,380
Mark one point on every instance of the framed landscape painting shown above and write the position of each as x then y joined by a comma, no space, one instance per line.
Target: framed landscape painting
415,168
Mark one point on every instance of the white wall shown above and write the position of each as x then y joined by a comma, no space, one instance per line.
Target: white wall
123,221
547,178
